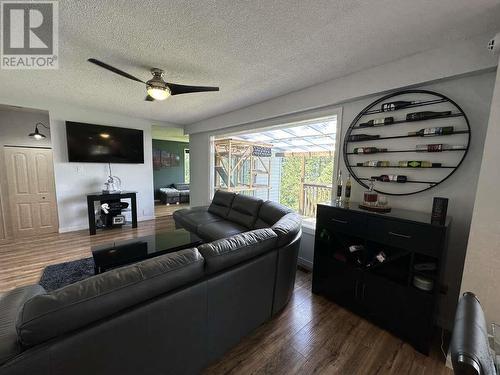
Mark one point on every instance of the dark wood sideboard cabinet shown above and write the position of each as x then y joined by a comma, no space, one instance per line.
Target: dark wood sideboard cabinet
383,293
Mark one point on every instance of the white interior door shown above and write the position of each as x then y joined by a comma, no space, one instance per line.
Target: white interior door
32,198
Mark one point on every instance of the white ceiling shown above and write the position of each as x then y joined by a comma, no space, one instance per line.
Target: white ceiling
254,50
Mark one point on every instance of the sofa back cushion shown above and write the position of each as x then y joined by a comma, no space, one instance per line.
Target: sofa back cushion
269,213
221,203
244,210
63,310
287,228
227,252
181,186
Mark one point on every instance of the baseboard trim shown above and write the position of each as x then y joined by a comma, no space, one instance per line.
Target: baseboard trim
83,227
308,265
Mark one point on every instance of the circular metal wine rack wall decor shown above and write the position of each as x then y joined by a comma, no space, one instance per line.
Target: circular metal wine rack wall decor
407,142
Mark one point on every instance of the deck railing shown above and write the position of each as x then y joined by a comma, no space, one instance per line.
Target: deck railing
311,195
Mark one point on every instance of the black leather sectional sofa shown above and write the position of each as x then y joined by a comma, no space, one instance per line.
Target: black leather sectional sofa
173,314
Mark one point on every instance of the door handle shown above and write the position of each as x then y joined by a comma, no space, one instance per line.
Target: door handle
340,221
363,291
400,235
356,290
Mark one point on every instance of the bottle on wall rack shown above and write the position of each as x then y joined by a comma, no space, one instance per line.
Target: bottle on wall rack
348,186
394,106
362,137
390,178
368,150
339,186
426,115
418,164
374,163
377,122
438,147
429,132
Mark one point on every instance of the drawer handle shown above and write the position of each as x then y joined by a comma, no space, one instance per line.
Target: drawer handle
340,221
399,235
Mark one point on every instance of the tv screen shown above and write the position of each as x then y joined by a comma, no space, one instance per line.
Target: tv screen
90,143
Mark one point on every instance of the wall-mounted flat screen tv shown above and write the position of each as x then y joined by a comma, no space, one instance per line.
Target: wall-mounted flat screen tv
89,143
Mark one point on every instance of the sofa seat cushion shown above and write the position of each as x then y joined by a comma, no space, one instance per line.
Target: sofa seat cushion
287,228
230,251
221,203
53,314
244,210
190,218
269,213
11,304
219,229
169,192
183,192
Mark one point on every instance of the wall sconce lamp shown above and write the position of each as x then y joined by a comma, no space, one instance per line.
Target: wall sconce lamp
36,134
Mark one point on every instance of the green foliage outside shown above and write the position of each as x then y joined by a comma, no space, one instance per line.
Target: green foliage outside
318,170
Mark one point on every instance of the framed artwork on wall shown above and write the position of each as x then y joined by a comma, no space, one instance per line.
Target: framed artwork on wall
165,159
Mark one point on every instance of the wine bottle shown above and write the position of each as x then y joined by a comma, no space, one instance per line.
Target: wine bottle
368,150
362,137
438,147
429,132
390,178
426,115
339,186
393,106
418,164
377,122
374,163
348,189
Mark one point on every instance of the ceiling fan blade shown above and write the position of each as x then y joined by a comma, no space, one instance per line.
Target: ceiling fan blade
176,89
149,98
114,70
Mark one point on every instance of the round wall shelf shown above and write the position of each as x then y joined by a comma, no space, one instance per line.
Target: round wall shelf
408,147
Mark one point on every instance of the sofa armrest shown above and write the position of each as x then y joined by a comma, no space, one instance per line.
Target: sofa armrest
11,304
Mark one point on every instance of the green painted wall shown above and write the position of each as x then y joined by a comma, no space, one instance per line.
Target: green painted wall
166,176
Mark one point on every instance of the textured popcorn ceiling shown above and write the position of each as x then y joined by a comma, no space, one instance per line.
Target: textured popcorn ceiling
253,49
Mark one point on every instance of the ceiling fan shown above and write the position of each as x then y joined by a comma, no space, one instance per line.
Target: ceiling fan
156,87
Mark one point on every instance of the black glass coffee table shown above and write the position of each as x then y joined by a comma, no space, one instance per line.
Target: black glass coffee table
120,253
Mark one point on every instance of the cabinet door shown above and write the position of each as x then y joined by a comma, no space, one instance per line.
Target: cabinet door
383,300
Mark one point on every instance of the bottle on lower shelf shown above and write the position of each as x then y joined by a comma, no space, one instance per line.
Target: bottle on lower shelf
418,164
438,147
390,178
362,137
374,163
377,122
426,115
368,150
429,132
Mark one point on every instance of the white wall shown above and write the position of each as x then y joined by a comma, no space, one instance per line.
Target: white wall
482,265
75,180
451,60
473,93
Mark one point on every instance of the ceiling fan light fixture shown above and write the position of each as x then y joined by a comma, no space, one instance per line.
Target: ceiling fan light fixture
158,93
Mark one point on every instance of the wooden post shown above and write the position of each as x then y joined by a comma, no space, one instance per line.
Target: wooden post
302,180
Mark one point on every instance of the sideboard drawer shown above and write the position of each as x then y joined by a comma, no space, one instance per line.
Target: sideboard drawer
424,239
341,220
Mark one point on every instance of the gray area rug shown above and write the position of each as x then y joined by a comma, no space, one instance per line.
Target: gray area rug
58,275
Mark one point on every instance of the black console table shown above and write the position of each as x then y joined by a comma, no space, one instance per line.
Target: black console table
99,197
382,292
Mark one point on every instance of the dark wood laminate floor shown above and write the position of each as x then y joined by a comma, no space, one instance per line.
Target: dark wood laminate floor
310,336
315,336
